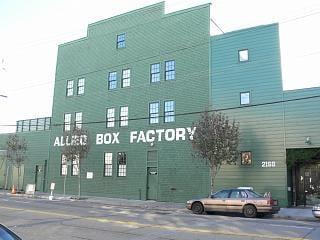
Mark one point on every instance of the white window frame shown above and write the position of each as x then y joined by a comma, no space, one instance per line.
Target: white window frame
155,69
121,40
78,120
80,86
243,55
170,70
124,116
75,166
169,113
122,168
112,82
126,78
154,112
245,98
69,90
107,164
67,122
64,166
110,118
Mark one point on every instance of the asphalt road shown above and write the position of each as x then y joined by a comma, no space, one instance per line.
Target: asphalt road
43,219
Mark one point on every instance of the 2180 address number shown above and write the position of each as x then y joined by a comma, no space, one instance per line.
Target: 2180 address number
268,164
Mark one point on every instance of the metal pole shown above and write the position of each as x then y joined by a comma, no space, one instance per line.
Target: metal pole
64,185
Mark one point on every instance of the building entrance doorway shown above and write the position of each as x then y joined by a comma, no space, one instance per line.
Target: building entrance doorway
304,177
36,177
152,175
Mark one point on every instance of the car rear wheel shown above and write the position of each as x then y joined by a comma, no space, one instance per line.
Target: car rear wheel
197,208
250,211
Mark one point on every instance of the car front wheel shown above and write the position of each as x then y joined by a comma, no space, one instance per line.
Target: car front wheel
250,211
197,208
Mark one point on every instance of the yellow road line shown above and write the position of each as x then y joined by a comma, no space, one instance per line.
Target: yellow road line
136,224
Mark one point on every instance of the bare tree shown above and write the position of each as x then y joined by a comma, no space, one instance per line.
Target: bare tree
215,141
76,150
16,152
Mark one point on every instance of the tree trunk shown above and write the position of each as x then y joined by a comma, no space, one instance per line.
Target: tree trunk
18,187
213,172
64,184
79,181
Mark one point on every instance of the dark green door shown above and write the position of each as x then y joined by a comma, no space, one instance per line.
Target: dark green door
152,175
152,183
36,177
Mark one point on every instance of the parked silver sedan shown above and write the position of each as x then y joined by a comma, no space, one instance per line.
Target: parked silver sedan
237,200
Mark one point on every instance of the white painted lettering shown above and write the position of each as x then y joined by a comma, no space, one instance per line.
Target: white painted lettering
56,142
133,136
68,142
61,141
115,138
170,135
150,135
99,139
159,132
141,137
180,134
107,138
191,132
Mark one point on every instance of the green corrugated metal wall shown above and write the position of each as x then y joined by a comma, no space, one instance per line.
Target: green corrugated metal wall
261,126
37,154
151,37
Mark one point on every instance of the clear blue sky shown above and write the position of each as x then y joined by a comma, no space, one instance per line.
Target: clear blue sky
30,32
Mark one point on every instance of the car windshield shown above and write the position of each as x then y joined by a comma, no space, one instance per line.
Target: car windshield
253,194
221,194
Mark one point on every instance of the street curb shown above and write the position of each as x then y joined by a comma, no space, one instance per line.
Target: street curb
309,219
141,205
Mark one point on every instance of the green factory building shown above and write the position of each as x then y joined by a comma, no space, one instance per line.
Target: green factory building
138,81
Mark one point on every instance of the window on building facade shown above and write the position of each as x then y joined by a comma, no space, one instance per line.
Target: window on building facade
33,124
124,116
78,121
112,80
122,164
19,126
64,166
170,70
75,166
47,125
80,87
155,73
154,112
246,158
121,40
26,126
110,117
107,164
41,124
69,91
243,55
169,109
126,78
67,122
245,98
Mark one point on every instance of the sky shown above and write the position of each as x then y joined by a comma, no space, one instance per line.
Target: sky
30,32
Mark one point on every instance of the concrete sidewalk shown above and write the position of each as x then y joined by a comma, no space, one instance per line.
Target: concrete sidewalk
299,213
